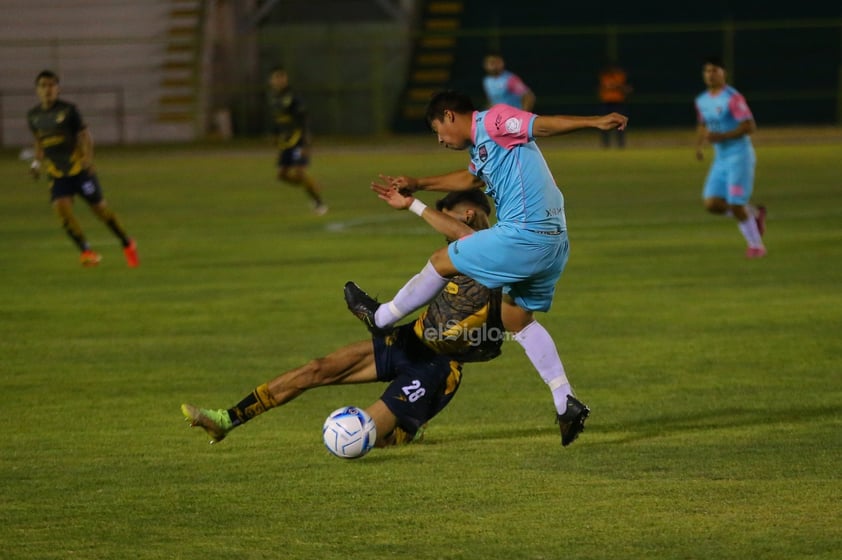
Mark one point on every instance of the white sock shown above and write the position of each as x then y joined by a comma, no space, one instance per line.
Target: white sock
750,232
420,289
541,351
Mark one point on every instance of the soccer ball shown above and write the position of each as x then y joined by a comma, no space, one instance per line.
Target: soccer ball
349,432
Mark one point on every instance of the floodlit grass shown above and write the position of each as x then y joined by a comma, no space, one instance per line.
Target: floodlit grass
715,382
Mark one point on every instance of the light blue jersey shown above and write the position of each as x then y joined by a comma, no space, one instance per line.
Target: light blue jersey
506,157
722,113
505,88
526,250
731,175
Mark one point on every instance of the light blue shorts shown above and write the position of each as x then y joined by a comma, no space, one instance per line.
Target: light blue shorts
527,265
731,178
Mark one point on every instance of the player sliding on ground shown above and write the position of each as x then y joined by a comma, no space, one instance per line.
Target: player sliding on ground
422,361
524,252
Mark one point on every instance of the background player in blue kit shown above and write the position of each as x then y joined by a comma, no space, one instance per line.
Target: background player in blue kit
502,86
524,252
725,120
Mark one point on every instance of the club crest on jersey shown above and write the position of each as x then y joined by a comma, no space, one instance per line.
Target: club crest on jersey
60,116
513,125
483,153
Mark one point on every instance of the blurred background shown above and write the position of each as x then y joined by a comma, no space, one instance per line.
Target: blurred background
185,70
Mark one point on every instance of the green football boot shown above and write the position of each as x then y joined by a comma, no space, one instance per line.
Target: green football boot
216,423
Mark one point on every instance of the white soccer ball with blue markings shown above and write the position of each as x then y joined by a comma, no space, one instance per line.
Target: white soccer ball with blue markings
349,432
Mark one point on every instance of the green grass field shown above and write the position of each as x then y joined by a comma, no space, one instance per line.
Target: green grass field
715,383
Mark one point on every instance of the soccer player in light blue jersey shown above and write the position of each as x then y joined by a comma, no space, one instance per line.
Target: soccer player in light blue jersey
502,86
725,120
524,252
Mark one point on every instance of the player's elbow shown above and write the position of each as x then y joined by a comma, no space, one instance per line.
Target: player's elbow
529,101
750,126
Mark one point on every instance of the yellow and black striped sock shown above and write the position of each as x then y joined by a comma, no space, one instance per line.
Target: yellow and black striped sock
74,231
110,219
259,401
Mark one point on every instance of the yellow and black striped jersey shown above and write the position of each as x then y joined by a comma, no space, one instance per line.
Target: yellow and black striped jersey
289,118
57,130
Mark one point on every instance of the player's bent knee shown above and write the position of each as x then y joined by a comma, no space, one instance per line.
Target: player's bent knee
291,177
715,206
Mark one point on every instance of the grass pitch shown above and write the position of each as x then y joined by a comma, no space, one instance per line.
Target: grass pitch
715,382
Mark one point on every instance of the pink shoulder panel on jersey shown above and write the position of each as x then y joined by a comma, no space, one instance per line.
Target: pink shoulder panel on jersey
508,126
516,85
739,108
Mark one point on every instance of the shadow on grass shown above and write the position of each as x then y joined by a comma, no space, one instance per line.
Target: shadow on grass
653,427
667,425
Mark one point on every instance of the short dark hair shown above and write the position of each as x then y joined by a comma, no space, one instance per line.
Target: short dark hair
46,74
471,196
448,100
714,60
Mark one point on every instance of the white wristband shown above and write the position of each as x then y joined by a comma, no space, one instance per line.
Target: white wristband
417,207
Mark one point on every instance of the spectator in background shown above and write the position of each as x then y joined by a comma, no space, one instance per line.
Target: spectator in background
725,120
613,92
291,132
502,86
64,149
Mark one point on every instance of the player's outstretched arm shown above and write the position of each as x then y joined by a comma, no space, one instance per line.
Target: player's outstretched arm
562,124
448,226
462,180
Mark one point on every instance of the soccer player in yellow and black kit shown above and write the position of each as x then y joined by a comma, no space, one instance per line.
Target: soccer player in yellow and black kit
291,132
421,361
64,149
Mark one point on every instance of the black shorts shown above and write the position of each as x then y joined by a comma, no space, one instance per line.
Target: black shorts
293,156
422,382
84,184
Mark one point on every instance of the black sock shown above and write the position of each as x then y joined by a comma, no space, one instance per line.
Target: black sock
256,403
118,230
71,226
